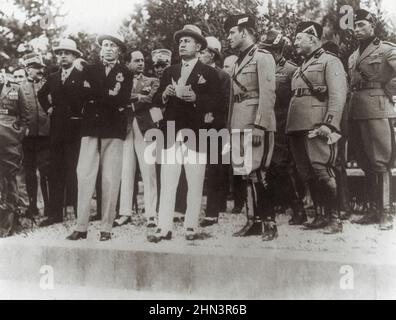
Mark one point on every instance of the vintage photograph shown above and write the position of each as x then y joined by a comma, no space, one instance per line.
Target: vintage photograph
194,150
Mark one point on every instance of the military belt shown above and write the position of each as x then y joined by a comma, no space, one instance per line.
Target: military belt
245,96
365,85
7,112
302,92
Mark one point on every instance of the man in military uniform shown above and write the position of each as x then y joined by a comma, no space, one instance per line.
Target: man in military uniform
143,117
13,128
282,166
36,146
253,118
319,97
161,60
372,112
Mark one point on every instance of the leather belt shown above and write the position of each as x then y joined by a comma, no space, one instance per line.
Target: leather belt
7,112
245,96
302,92
365,85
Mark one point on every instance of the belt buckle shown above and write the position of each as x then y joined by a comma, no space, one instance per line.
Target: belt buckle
238,98
299,93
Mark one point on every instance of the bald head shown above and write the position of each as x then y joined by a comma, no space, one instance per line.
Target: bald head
136,64
229,63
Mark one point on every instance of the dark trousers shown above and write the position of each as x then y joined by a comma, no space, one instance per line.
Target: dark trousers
63,176
239,191
36,155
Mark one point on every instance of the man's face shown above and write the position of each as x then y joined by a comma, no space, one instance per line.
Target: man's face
19,76
159,69
303,43
235,38
137,62
206,57
65,58
328,30
110,50
188,47
363,29
35,72
229,63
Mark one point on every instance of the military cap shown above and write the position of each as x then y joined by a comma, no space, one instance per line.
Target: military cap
272,39
310,27
214,45
33,60
116,38
193,31
240,20
161,56
362,14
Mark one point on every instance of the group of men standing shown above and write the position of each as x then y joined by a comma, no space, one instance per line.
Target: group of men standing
283,120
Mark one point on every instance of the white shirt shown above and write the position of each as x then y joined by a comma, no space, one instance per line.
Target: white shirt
66,73
187,68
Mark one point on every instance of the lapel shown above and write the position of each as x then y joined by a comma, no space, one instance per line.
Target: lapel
176,72
71,78
5,91
193,78
370,49
248,58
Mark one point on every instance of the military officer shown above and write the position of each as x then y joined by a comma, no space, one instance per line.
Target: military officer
143,117
282,166
319,97
372,68
13,128
252,123
161,60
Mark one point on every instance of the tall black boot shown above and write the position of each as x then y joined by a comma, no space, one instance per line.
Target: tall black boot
331,207
316,190
373,196
385,212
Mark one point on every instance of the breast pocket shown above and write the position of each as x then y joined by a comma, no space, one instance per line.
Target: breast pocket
375,65
315,74
249,75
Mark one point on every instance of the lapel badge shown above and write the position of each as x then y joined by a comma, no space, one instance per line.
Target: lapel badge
87,85
201,80
120,77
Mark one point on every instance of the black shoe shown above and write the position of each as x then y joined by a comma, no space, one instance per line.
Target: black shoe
75,236
298,220
151,224
270,231
319,222
370,217
95,218
158,236
386,221
32,212
191,235
333,227
237,210
105,236
252,228
50,222
208,223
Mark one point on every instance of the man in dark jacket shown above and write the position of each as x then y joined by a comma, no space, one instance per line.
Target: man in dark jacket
107,91
61,97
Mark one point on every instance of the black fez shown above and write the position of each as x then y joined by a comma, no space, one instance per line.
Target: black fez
310,27
240,20
362,14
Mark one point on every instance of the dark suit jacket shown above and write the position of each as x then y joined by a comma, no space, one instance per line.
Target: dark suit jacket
204,81
221,113
106,97
67,101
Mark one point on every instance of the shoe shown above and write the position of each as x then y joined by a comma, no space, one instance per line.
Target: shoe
50,222
121,221
237,210
345,215
191,235
386,221
252,228
95,218
158,236
151,224
370,217
319,222
270,231
32,212
75,236
105,236
298,219
208,223
334,227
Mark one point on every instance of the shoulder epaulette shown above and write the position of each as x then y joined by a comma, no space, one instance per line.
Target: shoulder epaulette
319,53
390,43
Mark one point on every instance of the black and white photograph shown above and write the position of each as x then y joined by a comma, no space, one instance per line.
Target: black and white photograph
197,150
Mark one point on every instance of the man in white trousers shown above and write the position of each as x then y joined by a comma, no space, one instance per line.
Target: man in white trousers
143,116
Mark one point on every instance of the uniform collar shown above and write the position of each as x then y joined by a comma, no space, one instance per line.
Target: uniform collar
244,54
281,62
365,43
317,53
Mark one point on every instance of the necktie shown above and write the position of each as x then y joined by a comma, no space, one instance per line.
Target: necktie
65,74
109,66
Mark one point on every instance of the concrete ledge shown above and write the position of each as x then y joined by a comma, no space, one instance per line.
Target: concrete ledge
206,272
